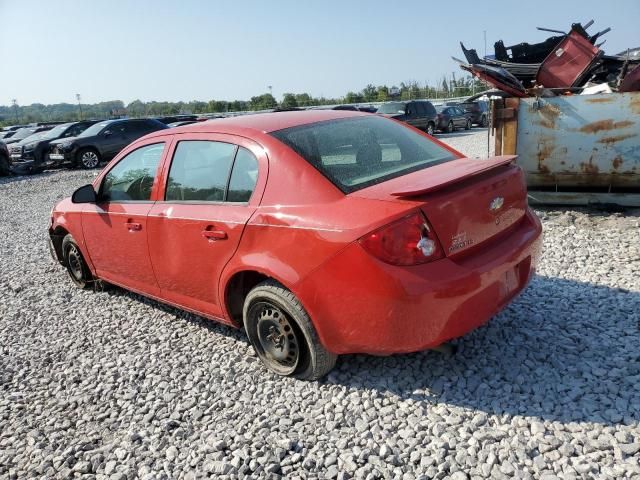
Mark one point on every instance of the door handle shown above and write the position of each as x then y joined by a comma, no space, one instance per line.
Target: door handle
214,235
133,226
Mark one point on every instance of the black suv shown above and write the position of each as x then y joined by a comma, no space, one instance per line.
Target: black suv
31,155
25,132
417,113
478,111
101,141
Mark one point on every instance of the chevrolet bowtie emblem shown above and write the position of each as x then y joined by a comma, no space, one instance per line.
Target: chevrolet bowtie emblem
496,204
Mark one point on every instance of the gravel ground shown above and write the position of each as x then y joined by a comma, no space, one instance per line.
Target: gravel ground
472,143
112,385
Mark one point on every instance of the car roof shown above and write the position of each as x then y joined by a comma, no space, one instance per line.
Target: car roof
264,122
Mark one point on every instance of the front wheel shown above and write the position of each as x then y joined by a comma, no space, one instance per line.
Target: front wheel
467,126
450,127
88,158
282,334
431,128
77,268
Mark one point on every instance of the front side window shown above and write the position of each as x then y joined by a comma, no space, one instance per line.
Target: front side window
131,179
200,171
357,152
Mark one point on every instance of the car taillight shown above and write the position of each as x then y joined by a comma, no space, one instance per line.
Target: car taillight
408,241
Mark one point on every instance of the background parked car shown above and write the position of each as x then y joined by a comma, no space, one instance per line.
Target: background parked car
417,113
101,141
4,159
176,118
25,132
450,118
181,124
32,154
478,111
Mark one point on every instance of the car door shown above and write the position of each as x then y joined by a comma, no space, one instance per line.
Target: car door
115,227
460,118
421,120
412,114
196,227
112,140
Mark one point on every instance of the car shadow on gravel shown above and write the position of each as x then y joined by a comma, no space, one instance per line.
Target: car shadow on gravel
564,351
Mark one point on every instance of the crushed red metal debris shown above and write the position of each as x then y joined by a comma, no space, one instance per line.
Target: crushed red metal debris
563,64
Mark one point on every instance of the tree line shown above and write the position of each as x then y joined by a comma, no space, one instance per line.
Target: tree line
38,112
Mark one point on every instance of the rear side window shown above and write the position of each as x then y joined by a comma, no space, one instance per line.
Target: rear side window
358,152
431,110
422,111
243,177
132,177
200,171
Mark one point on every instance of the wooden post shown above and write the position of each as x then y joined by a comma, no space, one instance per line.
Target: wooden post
510,129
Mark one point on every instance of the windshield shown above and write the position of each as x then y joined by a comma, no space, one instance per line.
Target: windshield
357,152
23,133
94,129
393,107
55,132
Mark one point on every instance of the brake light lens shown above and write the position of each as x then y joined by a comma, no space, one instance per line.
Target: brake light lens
408,241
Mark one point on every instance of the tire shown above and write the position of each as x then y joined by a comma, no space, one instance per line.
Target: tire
88,158
282,334
77,268
467,126
431,128
483,121
450,127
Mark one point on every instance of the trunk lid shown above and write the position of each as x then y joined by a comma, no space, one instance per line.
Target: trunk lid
467,202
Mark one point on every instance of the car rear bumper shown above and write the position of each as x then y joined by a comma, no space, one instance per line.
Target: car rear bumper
361,305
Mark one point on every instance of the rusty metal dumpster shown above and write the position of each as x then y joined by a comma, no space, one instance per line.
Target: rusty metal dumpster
577,149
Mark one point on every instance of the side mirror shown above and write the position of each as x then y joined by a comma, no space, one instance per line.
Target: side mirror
85,194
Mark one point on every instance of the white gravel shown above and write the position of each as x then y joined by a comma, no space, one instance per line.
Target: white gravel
112,385
475,143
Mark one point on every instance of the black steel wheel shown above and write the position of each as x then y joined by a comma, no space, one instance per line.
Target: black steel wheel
88,158
450,127
77,268
283,335
431,128
277,342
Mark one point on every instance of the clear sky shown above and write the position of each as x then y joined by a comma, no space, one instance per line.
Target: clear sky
225,50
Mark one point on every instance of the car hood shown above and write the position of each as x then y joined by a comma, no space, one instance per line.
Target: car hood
58,141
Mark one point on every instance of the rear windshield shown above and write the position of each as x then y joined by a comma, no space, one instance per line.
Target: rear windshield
355,153
392,108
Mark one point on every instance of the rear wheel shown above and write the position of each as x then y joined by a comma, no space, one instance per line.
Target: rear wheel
450,127
467,126
431,128
77,268
282,334
88,158
483,121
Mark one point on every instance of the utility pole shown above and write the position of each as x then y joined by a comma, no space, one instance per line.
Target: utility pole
485,43
79,105
270,89
14,102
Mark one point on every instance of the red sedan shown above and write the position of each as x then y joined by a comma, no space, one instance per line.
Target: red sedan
320,232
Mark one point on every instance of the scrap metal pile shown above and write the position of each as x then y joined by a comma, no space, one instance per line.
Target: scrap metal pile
568,63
